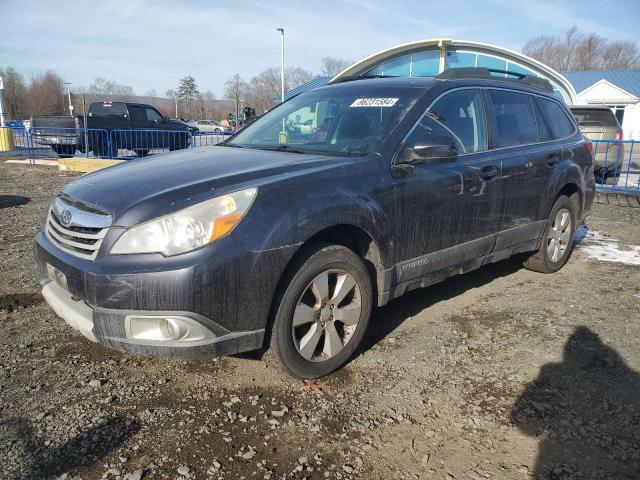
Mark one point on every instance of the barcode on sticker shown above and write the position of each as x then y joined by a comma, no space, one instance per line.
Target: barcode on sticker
374,102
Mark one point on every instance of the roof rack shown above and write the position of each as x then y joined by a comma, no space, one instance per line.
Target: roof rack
485,73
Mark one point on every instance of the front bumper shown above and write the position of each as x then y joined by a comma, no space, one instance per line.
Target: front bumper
226,290
108,327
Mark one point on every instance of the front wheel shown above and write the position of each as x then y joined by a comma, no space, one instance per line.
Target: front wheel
557,240
322,313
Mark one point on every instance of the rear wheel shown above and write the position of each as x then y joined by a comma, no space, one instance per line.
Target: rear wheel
64,151
142,152
611,178
557,240
322,313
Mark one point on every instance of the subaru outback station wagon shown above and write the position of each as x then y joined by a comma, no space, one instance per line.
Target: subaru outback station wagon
341,199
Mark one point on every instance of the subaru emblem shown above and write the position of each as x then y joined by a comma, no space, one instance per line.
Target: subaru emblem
65,218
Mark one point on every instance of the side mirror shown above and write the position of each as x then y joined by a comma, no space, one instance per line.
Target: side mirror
436,149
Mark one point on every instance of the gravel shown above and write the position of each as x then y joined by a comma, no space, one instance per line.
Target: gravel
498,374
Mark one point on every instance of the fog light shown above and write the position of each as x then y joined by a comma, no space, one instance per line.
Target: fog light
165,328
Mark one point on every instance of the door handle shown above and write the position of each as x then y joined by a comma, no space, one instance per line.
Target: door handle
488,172
552,160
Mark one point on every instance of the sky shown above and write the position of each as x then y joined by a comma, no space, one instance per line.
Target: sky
151,44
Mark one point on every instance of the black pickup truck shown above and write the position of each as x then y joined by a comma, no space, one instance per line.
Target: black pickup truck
111,126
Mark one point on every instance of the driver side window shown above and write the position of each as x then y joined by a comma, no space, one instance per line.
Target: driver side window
459,115
152,115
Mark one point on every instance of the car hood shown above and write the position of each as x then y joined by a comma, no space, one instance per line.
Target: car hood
139,190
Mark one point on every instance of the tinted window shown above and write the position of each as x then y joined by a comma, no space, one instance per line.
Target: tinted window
138,116
152,115
515,118
595,117
108,109
558,122
458,115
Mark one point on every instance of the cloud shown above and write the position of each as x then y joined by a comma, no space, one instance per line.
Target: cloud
151,44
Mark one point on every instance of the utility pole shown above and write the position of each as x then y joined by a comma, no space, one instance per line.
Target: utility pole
68,84
1,103
281,30
237,101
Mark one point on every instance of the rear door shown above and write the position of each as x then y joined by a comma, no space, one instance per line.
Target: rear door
448,213
528,160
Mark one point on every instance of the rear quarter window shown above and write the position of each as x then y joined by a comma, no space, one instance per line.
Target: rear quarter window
514,118
108,110
556,119
595,117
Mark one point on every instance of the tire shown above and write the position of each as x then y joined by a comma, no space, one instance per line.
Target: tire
611,178
64,151
143,152
548,259
100,147
304,299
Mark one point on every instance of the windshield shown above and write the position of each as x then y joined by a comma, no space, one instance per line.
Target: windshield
344,120
595,117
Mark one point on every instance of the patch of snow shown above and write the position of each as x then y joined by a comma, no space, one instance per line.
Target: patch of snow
599,247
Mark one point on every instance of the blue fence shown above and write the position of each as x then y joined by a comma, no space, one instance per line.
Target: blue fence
121,144
616,162
617,165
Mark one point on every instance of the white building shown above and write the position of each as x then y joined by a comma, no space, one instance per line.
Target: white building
618,89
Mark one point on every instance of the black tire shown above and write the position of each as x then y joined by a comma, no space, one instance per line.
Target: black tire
611,178
317,260
64,151
542,261
100,147
178,144
143,152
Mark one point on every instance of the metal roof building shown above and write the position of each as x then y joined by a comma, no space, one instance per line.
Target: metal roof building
617,89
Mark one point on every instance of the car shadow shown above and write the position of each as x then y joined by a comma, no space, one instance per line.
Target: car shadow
9,201
385,320
585,410
35,460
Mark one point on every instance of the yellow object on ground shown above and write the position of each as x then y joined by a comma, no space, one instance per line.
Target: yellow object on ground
82,164
6,140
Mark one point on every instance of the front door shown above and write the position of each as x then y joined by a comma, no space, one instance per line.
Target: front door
448,211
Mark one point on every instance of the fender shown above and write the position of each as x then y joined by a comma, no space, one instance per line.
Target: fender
324,210
565,173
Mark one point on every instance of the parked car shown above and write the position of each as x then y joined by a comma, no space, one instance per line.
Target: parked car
288,239
209,126
14,124
598,122
111,126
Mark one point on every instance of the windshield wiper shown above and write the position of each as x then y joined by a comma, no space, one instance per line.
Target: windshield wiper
233,145
281,148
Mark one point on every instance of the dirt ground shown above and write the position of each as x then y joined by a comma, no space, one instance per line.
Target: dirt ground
500,374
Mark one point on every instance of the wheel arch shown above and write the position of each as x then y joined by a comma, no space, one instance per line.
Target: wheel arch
349,236
572,191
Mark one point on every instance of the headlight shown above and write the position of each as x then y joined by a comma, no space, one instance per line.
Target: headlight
187,229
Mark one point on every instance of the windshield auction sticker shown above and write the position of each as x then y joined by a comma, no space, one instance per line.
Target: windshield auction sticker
374,102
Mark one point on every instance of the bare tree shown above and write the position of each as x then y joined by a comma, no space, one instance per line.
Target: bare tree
621,55
262,89
115,90
15,93
296,76
46,94
577,51
331,66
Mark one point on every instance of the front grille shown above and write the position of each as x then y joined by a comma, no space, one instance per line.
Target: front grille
83,231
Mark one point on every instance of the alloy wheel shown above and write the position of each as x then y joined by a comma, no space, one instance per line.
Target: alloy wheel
326,315
559,235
